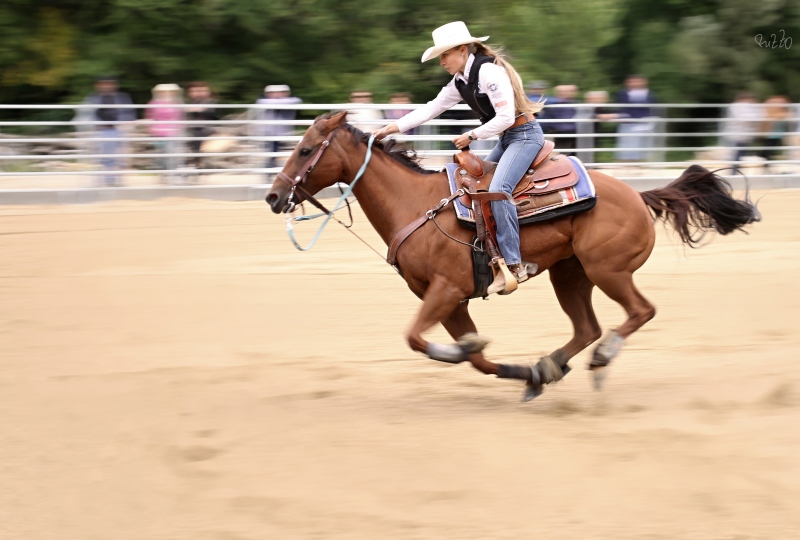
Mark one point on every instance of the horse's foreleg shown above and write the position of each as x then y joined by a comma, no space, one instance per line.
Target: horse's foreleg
574,292
442,302
460,324
461,327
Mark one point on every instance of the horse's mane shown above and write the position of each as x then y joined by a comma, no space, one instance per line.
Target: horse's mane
390,147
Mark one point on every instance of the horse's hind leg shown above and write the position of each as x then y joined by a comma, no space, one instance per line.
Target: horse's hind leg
619,287
574,292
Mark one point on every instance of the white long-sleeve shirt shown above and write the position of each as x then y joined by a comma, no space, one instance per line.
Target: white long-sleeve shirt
492,81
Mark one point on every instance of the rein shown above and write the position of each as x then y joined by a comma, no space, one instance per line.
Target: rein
295,183
398,238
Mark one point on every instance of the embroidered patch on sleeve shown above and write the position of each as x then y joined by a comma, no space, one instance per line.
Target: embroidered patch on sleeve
492,87
500,104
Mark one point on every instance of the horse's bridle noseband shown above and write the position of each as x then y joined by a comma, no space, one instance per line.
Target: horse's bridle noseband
294,183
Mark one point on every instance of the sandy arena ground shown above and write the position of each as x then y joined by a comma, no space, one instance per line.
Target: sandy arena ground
177,371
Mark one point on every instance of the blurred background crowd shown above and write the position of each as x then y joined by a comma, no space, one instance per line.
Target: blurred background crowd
182,59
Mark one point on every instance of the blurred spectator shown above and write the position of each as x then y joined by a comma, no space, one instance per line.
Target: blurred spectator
276,94
634,130
202,110
362,117
565,95
777,116
793,138
598,98
537,90
743,119
164,124
400,98
105,95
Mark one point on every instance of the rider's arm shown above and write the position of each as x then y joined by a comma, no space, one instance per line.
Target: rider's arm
447,97
494,82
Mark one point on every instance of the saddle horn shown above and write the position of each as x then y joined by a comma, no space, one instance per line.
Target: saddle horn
469,162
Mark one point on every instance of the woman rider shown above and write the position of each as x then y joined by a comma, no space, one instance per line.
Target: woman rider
493,89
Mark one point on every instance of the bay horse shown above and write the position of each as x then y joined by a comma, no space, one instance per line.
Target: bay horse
600,247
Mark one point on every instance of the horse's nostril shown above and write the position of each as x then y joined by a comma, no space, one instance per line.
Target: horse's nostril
271,199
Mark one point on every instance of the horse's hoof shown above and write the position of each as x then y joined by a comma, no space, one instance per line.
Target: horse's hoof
549,371
472,343
607,349
599,376
532,391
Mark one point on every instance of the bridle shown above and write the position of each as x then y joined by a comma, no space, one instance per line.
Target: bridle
397,240
294,183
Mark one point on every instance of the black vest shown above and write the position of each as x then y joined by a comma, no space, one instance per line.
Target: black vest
469,91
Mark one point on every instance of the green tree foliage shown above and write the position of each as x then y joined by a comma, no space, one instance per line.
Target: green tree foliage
703,50
706,51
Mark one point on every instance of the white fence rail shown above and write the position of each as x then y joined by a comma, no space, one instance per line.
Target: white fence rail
247,145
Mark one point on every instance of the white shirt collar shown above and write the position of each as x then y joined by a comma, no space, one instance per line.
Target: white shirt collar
465,76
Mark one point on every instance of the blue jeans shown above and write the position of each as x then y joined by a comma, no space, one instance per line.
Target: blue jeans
514,154
109,150
271,146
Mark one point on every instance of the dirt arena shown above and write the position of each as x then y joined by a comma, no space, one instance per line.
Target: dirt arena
176,371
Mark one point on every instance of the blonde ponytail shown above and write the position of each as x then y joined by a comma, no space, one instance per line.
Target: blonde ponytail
522,105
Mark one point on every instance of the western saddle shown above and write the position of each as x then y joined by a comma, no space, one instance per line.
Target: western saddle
548,174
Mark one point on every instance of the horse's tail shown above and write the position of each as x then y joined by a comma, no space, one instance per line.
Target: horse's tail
700,201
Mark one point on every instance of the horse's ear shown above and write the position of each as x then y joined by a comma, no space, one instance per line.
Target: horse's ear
336,120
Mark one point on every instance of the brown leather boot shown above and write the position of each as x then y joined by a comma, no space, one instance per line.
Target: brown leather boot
520,271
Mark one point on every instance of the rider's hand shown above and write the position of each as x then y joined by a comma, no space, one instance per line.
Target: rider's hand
385,131
462,141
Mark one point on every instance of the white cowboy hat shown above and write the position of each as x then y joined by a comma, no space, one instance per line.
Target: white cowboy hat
277,88
448,36
166,88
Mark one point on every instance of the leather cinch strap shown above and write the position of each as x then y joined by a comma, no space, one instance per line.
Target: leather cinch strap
409,229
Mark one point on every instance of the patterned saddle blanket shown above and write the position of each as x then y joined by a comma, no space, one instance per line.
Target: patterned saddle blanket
571,199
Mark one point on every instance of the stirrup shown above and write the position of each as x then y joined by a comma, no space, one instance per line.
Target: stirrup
504,281
525,271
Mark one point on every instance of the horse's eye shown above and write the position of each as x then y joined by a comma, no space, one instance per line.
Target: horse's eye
305,151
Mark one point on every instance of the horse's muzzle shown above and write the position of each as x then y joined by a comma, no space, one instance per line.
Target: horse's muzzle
279,204
272,200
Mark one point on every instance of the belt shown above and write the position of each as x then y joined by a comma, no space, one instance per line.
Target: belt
521,119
